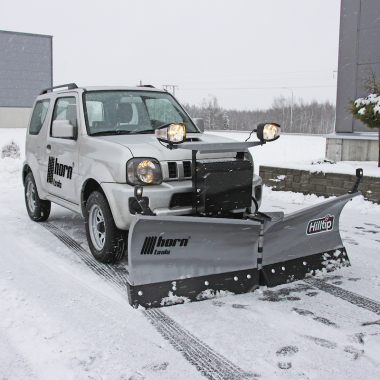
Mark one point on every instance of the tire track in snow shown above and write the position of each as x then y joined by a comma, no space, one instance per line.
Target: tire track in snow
211,364
355,299
115,276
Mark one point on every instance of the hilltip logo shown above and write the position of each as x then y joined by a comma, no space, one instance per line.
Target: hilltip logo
320,225
149,247
54,167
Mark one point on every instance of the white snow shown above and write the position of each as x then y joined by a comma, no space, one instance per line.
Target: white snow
370,99
59,320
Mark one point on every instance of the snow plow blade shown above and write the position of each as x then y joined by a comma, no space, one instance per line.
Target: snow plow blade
173,259
304,242
178,256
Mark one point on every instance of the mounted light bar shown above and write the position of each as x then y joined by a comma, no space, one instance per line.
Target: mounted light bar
174,133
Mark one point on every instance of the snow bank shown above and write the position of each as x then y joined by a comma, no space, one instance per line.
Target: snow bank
10,168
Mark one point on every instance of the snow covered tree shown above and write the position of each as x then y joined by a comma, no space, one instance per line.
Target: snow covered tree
367,109
226,122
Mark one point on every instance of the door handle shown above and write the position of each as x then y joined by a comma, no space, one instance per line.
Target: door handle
48,146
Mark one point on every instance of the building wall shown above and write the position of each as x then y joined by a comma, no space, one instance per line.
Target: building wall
352,148
14,117
359,43
25,69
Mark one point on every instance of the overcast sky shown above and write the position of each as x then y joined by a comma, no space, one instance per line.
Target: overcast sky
242,51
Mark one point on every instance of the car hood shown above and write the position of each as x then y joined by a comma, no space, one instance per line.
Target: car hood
147,145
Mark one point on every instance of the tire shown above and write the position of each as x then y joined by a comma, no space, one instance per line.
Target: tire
107,243
38,209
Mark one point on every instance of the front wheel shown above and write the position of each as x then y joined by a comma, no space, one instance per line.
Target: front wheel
38,209
107,243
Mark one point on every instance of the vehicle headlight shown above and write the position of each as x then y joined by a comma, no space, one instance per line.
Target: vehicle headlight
144,171
268,132
174,133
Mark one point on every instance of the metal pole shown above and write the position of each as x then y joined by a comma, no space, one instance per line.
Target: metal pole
291,109
172,86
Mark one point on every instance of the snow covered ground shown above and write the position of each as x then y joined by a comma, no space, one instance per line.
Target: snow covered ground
60,320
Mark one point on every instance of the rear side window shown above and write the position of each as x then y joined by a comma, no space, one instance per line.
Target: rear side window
38,116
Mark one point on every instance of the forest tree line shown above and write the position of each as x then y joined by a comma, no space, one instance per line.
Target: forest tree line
302,117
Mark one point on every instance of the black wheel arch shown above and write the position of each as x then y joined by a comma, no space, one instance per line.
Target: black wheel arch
89,187
25,170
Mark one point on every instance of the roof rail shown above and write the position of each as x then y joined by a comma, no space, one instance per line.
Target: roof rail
69,86
146,85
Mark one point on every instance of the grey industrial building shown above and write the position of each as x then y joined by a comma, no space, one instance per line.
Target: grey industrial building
359,45
26,67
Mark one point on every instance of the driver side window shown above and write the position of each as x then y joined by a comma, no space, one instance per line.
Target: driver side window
66,109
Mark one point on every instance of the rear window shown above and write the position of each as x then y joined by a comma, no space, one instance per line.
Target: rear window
38,116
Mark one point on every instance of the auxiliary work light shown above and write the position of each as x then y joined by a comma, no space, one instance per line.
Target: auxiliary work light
268,132
174,133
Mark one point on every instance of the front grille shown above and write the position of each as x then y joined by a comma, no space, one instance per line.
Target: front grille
187,169
181,200
172,166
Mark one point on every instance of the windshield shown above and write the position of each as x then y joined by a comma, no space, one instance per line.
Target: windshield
132,112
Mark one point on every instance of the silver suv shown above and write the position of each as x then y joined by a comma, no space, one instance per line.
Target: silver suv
87,149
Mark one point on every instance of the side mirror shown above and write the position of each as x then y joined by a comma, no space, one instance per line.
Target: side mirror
200,123
62,129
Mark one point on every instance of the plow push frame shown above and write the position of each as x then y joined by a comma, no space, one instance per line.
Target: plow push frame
174,258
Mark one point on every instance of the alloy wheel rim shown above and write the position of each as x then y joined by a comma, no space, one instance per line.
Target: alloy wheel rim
97,227
31,197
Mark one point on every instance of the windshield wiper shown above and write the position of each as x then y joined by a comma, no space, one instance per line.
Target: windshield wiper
144,131
121,132
114,132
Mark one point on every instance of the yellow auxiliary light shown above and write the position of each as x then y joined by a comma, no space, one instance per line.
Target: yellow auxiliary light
271,131
174,133
268,132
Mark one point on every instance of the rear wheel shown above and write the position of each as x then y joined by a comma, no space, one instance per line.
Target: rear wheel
38,209
107,243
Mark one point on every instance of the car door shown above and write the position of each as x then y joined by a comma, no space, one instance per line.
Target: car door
62,154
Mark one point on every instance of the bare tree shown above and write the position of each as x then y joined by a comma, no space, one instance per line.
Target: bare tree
313,117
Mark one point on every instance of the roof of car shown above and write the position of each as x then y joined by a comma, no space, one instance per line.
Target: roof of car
109,88
73,86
